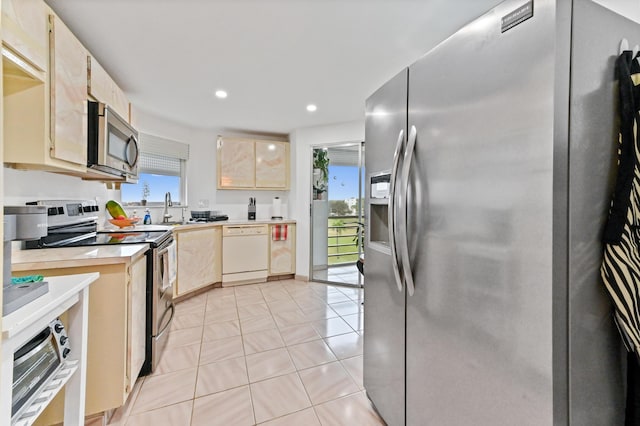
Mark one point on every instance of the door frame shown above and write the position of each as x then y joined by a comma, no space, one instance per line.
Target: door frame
361,190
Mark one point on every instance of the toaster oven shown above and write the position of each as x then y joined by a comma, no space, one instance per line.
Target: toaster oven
35,363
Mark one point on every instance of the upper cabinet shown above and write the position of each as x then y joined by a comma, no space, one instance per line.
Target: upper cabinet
272,164
103,89
236,164
25,30
252,164
43,110
68,77
47,75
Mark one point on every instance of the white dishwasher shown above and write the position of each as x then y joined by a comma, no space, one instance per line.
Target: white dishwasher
245,254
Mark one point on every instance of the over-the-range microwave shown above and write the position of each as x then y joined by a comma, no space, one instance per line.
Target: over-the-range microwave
112,144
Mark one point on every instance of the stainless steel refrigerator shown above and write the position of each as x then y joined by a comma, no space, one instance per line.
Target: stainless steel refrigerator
491,162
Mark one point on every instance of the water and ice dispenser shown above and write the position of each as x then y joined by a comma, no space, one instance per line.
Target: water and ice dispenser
379,185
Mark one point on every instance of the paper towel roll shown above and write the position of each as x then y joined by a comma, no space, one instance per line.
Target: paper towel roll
276,209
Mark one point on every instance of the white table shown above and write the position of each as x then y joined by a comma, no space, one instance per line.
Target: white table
66,293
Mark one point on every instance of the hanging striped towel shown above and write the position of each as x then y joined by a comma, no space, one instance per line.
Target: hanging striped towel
621,263
279,233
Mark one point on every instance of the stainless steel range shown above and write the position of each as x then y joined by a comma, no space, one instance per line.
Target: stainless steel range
73,223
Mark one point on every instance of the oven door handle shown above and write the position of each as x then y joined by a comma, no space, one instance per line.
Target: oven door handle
173,311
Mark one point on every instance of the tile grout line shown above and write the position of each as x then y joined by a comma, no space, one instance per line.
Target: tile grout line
286,290
246,365
195,387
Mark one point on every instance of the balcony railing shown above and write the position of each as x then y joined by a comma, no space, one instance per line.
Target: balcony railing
344,244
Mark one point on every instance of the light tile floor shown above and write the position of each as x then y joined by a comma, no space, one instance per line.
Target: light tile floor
278,353
345,274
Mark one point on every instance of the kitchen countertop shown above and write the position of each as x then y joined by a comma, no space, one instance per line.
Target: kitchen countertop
69,257
194,225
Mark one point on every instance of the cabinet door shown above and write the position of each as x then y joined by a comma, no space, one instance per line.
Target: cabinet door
282,253
137,320
104,89
68,74
198,251
25,30
236,163
272,164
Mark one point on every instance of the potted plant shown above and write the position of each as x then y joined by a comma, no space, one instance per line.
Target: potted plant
146,191
320,172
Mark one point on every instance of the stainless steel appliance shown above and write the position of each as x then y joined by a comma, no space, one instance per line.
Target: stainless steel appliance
21,223
207,216
36,363
74,223
112,144
484,303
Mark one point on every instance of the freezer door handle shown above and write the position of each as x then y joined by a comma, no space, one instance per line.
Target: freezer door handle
402,219
391,214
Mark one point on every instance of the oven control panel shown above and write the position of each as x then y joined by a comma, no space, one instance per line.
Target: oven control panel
65,212
61,338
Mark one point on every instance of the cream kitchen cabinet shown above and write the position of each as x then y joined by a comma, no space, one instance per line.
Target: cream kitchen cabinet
236,163
68,76
103,89
252,164
116,338
44,113
282,253
199,258
25,30
272,164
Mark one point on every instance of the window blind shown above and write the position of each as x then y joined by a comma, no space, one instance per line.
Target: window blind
159,164
155,145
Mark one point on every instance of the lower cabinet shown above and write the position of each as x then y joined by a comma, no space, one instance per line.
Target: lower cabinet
115,343
199,257
282,252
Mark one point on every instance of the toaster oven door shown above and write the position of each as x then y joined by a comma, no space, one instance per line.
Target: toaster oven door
33,364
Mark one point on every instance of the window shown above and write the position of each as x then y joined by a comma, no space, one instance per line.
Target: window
162,169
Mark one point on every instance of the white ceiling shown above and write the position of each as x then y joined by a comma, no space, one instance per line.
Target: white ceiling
273,57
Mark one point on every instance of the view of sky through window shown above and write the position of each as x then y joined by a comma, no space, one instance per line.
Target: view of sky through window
158,186
343,182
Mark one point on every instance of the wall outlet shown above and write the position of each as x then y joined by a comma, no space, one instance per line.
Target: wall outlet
203,204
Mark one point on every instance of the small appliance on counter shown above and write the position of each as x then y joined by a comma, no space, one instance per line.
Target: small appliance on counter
276,209
21,223
207,216
35,363
252,209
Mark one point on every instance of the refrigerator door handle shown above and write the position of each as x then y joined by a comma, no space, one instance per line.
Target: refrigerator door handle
404,243
391,215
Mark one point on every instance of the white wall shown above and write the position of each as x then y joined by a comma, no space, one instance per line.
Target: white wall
628,8
21,186
302,141
201,172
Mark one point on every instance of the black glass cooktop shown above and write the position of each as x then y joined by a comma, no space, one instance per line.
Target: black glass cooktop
154,238
126,237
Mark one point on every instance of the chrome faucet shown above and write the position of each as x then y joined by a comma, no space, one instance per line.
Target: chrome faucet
167,204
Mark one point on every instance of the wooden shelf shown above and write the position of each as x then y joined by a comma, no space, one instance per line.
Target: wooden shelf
66,294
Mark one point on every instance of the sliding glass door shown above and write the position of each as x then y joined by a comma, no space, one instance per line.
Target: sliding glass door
337,213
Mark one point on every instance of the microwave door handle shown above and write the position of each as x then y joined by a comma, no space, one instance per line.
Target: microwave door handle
132,151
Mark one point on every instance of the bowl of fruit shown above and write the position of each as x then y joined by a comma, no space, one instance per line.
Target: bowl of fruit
119,216
123,222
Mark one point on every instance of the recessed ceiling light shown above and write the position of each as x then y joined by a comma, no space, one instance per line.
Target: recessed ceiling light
221,94
311,107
